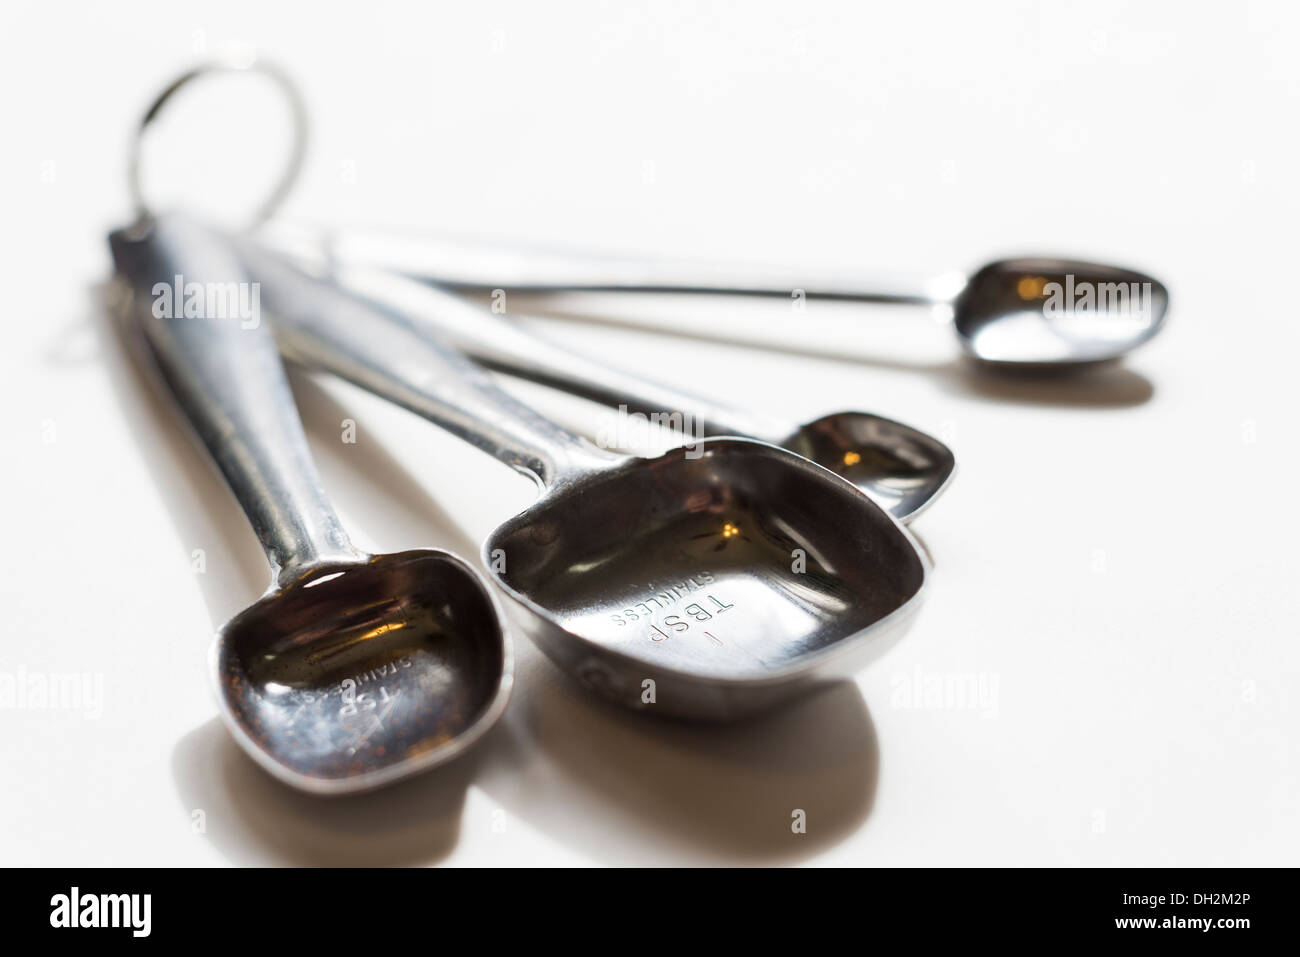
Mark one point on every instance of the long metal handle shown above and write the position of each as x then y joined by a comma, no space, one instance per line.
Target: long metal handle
200,316
319,324
507,346
474,265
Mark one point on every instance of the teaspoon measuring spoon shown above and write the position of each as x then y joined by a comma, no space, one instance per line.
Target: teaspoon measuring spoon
1044,313
901,468
702,587
353,670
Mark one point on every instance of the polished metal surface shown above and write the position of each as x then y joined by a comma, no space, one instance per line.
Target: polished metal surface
1001,314
353,670
901,468
704,587
477,265
1054,313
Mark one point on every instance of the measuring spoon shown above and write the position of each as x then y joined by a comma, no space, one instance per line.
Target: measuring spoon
703,586
353,670
901,468
1039,312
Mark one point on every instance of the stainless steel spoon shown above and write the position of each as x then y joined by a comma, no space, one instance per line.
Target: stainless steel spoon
1042,313
901,468
704,587
353,670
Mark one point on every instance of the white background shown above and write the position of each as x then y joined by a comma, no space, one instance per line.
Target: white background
1115,559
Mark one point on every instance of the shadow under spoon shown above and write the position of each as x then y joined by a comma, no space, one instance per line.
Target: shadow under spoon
353,670
701,586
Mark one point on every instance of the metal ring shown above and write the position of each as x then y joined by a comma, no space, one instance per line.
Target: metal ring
298,151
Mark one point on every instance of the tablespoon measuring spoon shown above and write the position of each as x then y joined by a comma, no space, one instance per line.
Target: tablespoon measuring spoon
702,587
1048,314
353,670
901,468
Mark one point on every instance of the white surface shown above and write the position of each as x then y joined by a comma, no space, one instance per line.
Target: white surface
1116,558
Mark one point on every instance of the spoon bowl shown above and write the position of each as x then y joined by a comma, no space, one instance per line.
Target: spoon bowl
1056,313
903,469
727,580
357,674
354,670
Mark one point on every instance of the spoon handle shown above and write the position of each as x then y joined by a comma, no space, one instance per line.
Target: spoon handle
507,345
319,324
223,369
479,266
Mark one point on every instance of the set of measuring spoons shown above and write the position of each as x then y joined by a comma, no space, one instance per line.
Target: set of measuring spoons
710,582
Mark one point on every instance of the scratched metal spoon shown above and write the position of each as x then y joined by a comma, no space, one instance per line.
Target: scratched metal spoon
901,468
1046,314
703,585
353,670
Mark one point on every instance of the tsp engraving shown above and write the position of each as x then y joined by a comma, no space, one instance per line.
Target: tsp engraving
367,700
